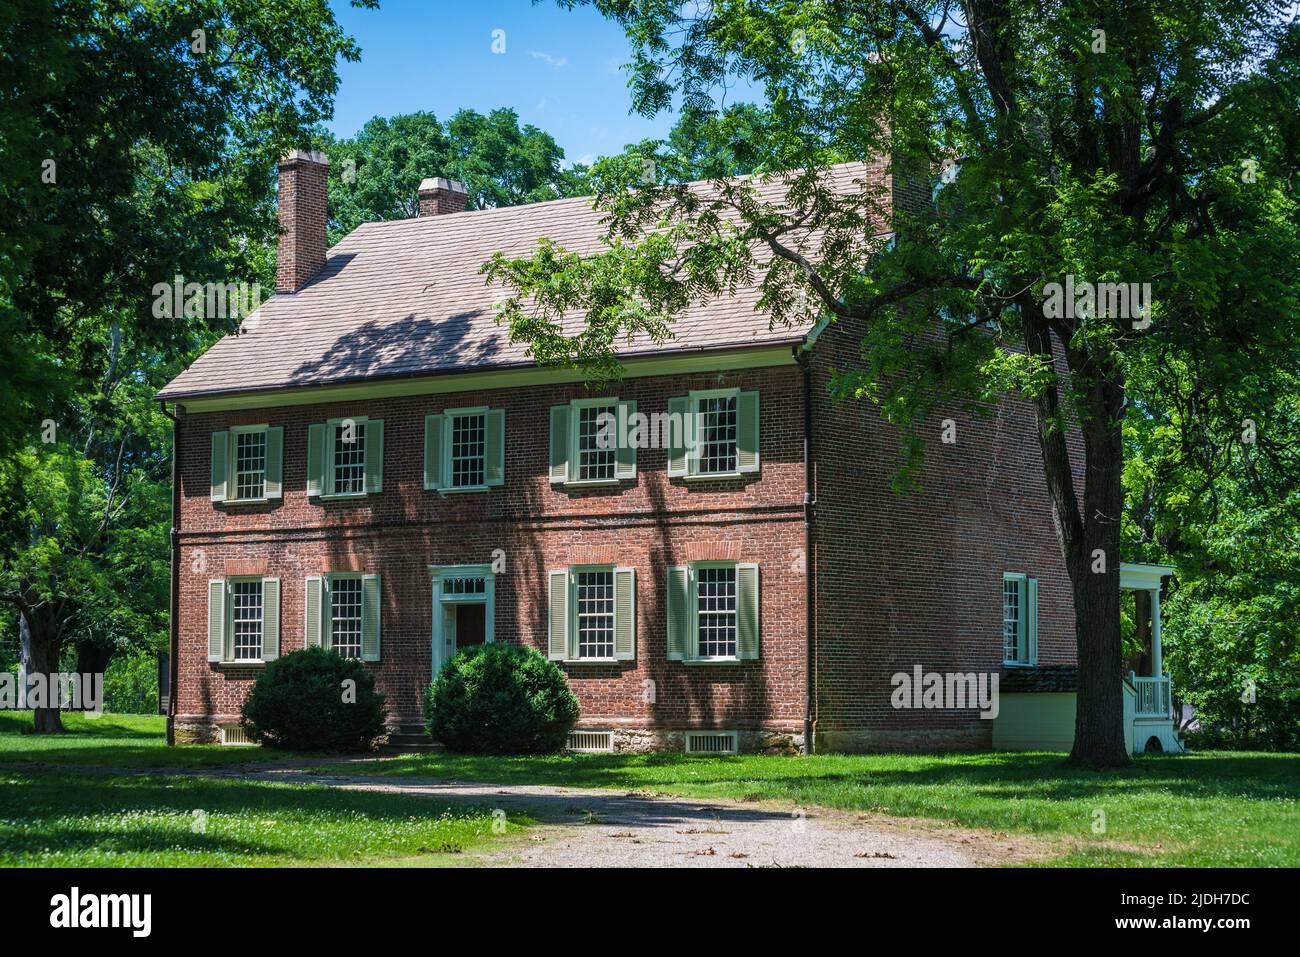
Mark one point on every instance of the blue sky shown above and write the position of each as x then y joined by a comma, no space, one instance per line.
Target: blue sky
560,70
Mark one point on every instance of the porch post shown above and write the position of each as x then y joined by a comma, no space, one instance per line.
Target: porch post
1157,661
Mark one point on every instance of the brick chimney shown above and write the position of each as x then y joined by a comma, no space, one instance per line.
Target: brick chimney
303,186
438,196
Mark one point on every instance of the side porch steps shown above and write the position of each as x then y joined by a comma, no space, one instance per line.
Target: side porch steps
409,739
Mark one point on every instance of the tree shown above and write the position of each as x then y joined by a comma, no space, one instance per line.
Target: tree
376,174
1074,146
138,143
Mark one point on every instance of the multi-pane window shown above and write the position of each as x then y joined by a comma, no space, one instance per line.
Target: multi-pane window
246,619
250,464
716,608
596,449
349,458
594,592
717,433
1013,610
345,616
457,587
468,450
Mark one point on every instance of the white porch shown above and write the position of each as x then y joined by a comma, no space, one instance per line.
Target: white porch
1148,699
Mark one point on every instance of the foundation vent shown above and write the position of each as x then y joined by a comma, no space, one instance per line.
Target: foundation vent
591,740
711,742
233,735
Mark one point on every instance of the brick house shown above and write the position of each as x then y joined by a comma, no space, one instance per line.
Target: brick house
371,465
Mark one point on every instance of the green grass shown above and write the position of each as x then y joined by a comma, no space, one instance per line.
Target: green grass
1195,810
112,740
52,815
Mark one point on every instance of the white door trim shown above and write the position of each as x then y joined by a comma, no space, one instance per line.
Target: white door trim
439,573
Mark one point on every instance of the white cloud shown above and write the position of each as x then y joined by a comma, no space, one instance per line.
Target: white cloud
554,61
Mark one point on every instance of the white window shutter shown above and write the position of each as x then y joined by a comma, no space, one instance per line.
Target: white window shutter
216,619
274,462
625,456
494,465
559,444
220,471
370,615
625,614
747,432
316,446
680,643
374,453
313,612
747,612
1031,611
681,427
435,430
557,641
270,619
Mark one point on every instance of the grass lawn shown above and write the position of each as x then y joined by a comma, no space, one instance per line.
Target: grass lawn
56,816
1214,808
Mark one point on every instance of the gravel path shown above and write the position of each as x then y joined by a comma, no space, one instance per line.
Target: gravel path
586,827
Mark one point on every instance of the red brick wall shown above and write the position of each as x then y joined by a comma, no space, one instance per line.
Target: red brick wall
650,524
302,191
916,577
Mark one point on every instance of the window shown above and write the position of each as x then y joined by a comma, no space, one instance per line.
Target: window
715,596
464,449
594,441
592,613
246,619
1019,619
250,464
247,463
597,445
349,459
468,450
717,435
714,434
464,587
594,592
345,616
713,612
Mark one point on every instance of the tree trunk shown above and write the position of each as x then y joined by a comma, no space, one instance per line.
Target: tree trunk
43,642
92,659
1099,739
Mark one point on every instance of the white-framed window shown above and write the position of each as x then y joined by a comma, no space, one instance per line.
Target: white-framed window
347,458
592,441
247,464
345,615
243,619
1019,619
718,437
713,612
595,440
250,463
341,610
593,594
592,613
468,449
464,449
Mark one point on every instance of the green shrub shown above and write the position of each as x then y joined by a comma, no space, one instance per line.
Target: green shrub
303,702
501,699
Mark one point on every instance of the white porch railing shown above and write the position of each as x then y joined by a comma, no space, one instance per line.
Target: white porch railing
1153,696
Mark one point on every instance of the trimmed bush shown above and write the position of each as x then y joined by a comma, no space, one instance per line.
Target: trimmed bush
302,702
501,699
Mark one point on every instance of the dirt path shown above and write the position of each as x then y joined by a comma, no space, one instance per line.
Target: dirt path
584,827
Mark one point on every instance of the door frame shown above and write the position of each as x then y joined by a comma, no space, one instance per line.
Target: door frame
438,574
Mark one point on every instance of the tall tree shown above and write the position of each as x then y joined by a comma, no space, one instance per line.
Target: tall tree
1075,144
375,175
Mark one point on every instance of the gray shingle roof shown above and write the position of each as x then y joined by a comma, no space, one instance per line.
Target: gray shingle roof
405,298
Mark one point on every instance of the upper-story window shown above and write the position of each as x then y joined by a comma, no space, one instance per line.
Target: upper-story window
247,464
464,449
594,441
1019,619
345,457
718,436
